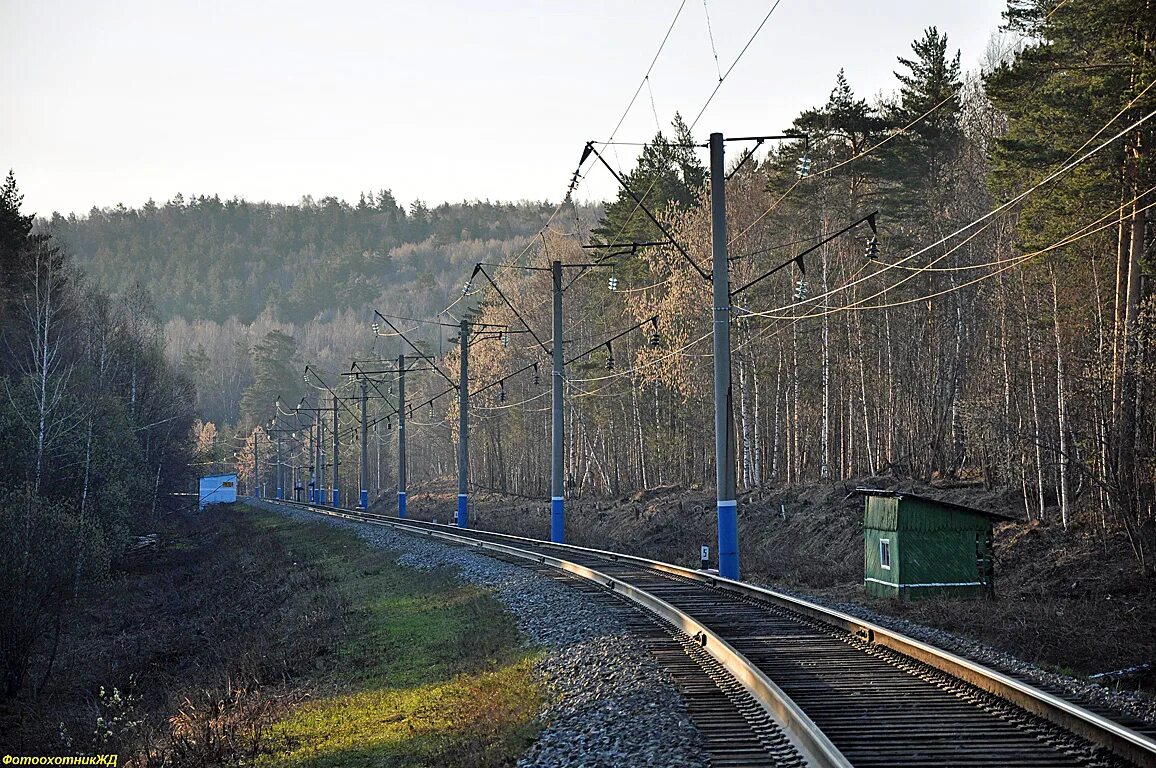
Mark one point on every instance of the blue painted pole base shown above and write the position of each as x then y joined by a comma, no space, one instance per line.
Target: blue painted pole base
463,511
336,498
728,539
280,492
401,503
558,519
364,499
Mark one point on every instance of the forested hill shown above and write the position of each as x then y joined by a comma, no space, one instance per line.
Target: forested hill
208,259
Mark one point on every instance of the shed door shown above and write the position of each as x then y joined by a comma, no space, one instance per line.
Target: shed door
984,569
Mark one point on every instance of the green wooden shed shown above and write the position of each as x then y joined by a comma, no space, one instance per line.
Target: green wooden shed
916,546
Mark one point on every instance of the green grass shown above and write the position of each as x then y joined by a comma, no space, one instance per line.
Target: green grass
429,671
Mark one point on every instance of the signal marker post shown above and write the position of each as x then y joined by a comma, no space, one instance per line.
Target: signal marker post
728,521
557,488
463,427
401,435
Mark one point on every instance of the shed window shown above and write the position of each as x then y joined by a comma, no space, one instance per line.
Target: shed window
885,553
227,484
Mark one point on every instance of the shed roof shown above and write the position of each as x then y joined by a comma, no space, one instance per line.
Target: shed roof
219,477
918,497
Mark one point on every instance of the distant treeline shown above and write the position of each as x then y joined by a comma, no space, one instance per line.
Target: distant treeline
210,259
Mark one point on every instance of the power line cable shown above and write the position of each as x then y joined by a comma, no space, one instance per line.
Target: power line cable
713,48
734,64
649,69
990,214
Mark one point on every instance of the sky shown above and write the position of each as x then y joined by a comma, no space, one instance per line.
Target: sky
440,100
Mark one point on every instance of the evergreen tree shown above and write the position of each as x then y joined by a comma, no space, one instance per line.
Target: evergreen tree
16,241
931,79
15,227
274,375
1085,73
669,174
918,162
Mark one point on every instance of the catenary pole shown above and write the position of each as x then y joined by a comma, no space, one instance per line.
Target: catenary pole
256,463
314,443
463,426
280,469
401,435
363,497
320,454
557,486
728,530
336,493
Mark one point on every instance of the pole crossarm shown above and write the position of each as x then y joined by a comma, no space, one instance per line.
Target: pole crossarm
758,140
622,182
416,320
603,261
798,258
616,337
355,370
632,246
336,397
479,268
389,366
415,348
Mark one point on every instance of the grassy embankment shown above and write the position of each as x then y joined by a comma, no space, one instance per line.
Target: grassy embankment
249,638
429,671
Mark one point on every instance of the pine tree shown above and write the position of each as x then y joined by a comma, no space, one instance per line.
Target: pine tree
932,82
918,162
668,174
274,375
16,242
1087,65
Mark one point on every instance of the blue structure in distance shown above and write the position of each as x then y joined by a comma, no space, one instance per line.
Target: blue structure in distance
217,489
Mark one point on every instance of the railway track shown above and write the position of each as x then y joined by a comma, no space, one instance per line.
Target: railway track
772,680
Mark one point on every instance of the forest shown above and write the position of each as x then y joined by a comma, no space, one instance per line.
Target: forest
986,321
226,273
96,425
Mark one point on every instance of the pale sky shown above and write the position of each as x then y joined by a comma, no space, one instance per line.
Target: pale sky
122,100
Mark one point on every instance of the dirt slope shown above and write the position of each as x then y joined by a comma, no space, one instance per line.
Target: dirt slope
1068,600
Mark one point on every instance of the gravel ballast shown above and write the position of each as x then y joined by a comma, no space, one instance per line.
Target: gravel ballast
609,703
1133,703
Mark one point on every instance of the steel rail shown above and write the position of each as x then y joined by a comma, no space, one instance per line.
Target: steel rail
1123,741
810,742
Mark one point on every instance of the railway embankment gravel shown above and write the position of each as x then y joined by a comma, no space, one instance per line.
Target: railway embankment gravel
609,703
1137,704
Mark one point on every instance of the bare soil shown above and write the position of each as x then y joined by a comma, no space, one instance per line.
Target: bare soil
1072,601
